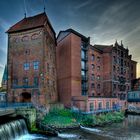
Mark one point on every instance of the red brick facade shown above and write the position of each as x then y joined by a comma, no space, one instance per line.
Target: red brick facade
32,62
106,71
68,68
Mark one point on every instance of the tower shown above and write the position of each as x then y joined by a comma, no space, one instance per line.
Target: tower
31,61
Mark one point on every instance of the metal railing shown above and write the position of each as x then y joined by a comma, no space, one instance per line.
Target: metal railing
103,110
15,105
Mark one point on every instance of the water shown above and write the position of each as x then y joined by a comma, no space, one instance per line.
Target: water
129,129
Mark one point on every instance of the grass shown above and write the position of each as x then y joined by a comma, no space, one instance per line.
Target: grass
59,118
65,118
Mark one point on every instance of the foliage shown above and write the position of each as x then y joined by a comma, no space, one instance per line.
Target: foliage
65,117
59,118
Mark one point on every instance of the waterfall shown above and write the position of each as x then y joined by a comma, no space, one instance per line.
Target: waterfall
12,130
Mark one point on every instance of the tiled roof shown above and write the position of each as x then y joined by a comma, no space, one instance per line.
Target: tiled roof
30,23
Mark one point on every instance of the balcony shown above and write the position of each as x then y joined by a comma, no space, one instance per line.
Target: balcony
85,58
85,87
85,48
84,78
85,68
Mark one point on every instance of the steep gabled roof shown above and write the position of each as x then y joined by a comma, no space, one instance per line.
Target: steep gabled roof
30,23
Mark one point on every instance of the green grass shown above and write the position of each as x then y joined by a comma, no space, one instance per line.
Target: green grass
59,118
65,118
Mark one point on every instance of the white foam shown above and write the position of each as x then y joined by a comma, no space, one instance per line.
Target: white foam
30,137
90,129
66,135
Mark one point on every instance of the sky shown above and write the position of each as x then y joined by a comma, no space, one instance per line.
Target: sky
105,21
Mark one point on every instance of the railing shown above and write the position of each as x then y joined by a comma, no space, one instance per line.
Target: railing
24,86
15,105
103,110
84,78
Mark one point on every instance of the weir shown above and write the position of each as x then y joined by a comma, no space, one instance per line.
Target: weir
12,130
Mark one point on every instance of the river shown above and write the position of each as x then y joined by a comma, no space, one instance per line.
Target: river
129,129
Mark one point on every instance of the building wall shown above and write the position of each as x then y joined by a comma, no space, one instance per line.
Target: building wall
133,69
95,62
27,47
68,68
136,84
92,104
107,78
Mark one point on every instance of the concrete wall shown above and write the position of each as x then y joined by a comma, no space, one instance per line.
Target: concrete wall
29,114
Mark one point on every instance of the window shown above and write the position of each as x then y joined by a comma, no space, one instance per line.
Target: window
93,66
15,81
100,105
98,86
25,81
92,85
83,64
98,77
83,54
91,107
83,73
36,81
92,57
84,92
98,67
114,86
92,77
107,105
114,68
114,59
98,59
26,66
36,65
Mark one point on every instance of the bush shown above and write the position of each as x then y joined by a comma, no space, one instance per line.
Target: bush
59,118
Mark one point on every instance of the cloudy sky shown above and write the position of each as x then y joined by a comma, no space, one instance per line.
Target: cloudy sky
103,20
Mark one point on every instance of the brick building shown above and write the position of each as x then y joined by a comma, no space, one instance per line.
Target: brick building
92,75
118,70
69,69
32,61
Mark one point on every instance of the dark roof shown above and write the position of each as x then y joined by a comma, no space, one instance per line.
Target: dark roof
76,33
95,48
30,23
134,61
103,47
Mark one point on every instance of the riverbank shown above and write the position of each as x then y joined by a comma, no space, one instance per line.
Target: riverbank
63,119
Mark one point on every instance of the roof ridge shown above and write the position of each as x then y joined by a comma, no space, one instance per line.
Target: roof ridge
29,23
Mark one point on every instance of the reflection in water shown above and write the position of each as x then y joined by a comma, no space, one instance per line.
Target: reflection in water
127,130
